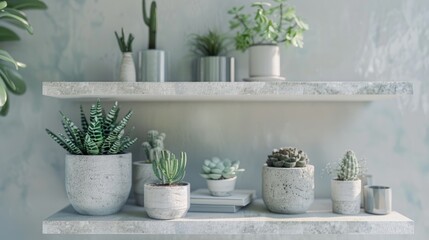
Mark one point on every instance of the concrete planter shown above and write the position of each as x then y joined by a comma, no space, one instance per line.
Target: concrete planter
288,190
221,188
167,202
216,69
346,196
142,174
98,185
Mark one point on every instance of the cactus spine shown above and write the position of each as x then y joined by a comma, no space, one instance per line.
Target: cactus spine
349,168
151,23
168,169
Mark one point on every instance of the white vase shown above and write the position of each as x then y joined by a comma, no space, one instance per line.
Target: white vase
142,174
128,68
346,196
167,202
264,63
152,65
221,188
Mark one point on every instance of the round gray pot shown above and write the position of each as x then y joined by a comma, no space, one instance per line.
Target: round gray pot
288,190
98,185
167,202
216,69
221,188
142,174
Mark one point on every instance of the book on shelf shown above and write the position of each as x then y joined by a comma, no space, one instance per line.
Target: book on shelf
238,198
214,208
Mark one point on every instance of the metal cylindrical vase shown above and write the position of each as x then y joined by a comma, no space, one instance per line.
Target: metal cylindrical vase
366,180
378,200
216,69
152,65
142,174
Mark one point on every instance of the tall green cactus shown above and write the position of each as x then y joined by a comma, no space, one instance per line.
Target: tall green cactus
349,168
168,169
151,23
154,145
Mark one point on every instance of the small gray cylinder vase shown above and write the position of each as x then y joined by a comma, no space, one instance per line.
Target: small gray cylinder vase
152,65
142,174
288,190
216,69
98,185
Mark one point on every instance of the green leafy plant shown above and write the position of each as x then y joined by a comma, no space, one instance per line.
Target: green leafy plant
102,135
217,169
124,44
11,12
288,157
154,145
271,24
168,169
151,23
210,44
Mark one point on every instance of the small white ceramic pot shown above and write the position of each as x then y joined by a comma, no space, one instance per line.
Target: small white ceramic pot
216,69
264,61
221,188
152,65
346,196
288,190
98,185
128,68
142,174
167,202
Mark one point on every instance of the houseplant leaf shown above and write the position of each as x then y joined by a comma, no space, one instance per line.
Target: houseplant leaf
16,18
27,4
13,80
3,94
8,35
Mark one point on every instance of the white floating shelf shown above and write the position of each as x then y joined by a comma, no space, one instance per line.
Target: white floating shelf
255,220
221,91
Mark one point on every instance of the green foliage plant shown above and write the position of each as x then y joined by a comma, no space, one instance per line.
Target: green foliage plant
154,145
217,169
151,22
211,44
169,169
124,44
270,25
349,168
11,13
103,134
288,157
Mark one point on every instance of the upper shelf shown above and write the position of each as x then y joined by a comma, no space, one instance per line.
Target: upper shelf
221,91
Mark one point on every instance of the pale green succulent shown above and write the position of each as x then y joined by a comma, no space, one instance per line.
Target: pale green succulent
287,157
168,169
154,145
349,169
217,169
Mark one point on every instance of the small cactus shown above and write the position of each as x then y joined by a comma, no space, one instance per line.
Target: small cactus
168,169
154,145
349,168
287,158
151,23
217,169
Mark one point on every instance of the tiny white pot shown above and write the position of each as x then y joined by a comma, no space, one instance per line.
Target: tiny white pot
221,188
264,63
128,68
167,202
152,65
346,196
142,174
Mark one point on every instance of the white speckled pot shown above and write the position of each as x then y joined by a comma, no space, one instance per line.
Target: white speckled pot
98,185
346,196
221,188
288,190
128,68
167,202
142,174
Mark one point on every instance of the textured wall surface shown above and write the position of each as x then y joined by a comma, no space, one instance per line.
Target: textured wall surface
383,40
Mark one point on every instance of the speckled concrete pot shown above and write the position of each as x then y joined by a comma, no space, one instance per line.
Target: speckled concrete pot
288,190
98,185
346,196
167,202
221,188
142,174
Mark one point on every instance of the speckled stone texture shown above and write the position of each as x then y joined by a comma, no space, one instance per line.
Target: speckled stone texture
346,196
98,185
142,174
167,202
288,190
221,188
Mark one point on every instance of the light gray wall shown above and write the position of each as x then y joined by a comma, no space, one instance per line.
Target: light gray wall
382,40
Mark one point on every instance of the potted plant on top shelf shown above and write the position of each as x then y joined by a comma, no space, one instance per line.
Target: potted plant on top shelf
97,168
212,64
262,34
128,69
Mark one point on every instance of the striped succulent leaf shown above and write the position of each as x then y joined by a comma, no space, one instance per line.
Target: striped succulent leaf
90,146
84,122
95,132
113,136
72,131
74,149
96,112
110,120
116,147
127,144
58,140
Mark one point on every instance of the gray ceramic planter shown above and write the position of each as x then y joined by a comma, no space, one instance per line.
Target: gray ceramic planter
142,174
288,190
98,185
216,69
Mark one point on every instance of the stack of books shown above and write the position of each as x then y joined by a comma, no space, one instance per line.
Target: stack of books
202,201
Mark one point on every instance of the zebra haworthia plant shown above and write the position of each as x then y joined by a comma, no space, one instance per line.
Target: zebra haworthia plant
102,135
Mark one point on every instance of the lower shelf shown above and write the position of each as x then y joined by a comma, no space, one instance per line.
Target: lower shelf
254,219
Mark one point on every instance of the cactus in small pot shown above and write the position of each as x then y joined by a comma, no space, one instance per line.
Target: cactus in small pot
151,22
154,145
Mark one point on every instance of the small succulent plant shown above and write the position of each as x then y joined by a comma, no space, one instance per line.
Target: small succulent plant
349,168
287,157
217,169
154,145
168,169
211,44
124,44
151,22
102,135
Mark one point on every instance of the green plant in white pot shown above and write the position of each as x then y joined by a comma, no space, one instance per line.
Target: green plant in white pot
98,169
221,175
262,32
128,68
212,64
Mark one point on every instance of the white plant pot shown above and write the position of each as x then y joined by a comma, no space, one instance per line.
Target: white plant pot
167,202
216,69
142,174
346,196
98,185
128,68
288,190
264,63
152,65
221,188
